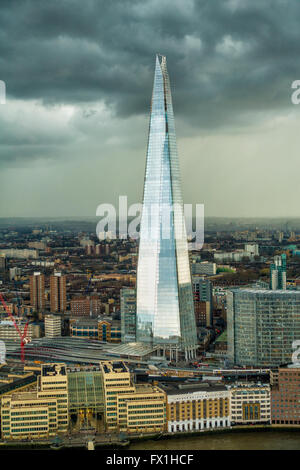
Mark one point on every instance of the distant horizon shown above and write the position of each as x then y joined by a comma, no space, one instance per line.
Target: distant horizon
81,217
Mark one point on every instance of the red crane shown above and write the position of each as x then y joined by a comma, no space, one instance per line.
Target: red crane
23,337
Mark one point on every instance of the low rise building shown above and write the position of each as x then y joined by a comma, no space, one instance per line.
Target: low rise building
192,407
130,407
8,330
204,267
52,326
40,413
24,415
84,328
109,331
285,403
143,411
19,253
80,306
86,306
13,379
250,403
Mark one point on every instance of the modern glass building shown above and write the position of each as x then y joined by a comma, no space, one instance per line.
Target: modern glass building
128,315
165,310
85,391
262,325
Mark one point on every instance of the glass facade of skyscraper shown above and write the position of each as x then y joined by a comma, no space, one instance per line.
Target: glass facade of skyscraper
262,325
165,310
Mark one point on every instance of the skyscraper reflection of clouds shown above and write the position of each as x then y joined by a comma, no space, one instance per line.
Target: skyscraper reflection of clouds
165,310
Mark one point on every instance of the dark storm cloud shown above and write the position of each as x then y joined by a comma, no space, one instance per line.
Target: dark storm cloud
225,57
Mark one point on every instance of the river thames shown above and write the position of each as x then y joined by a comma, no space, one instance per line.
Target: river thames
275,440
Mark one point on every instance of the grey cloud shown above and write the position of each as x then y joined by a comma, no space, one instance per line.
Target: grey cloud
231,64
64,51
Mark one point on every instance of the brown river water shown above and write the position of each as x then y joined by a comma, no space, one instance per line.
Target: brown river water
275,440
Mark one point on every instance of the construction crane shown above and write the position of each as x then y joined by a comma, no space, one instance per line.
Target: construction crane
23,336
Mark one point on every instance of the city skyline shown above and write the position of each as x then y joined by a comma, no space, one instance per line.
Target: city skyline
75,119
149,272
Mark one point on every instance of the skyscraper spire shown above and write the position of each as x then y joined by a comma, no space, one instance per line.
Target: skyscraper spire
165,309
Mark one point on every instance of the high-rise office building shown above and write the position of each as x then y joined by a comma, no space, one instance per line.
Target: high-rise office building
203,301
37,291
26,416
128,315
165,309
58,295
262,326
278,273
2,262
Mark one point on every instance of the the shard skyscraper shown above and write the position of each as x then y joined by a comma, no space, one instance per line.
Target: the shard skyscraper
165,308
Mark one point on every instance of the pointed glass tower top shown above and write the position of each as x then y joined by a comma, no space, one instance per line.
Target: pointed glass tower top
165,309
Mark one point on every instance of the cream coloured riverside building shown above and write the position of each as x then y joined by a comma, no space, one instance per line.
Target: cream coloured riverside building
250,403
41,413
53,383
52,326
24,415
129,407
144,410
195,407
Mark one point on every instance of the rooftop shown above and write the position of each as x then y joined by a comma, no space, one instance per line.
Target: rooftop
116,367
266,291
133,349
183,388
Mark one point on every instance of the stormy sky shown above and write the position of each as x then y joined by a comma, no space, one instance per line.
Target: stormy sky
79,75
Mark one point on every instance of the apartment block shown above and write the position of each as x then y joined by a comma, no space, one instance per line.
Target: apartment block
85,306
37,291
58,293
